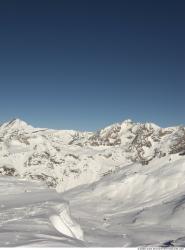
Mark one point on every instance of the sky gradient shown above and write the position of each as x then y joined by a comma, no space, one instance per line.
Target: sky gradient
84,64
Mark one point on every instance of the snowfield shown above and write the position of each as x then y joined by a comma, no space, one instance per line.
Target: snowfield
122,186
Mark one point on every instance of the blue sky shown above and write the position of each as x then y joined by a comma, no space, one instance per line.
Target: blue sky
89,63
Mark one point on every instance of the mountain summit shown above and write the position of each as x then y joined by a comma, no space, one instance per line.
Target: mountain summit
15,124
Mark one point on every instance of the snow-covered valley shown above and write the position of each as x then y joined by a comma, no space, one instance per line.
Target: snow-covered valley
121,186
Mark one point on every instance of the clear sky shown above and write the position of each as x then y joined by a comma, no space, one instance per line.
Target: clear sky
84,64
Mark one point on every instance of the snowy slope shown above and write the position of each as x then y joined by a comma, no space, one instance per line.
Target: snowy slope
131,207
134,206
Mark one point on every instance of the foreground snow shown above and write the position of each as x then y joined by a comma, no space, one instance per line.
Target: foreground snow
33,215
133,206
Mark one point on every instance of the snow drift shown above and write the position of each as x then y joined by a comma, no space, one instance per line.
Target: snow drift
64,223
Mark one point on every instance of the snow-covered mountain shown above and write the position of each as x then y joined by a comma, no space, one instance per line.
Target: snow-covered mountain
121,186
67,158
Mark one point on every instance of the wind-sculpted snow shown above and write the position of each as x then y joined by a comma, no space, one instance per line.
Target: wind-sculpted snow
65,159
64,224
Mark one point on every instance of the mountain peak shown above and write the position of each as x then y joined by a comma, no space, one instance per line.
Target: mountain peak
127,121
16,123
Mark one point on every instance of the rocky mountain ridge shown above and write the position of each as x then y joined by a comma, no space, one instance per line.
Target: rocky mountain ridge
67,158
